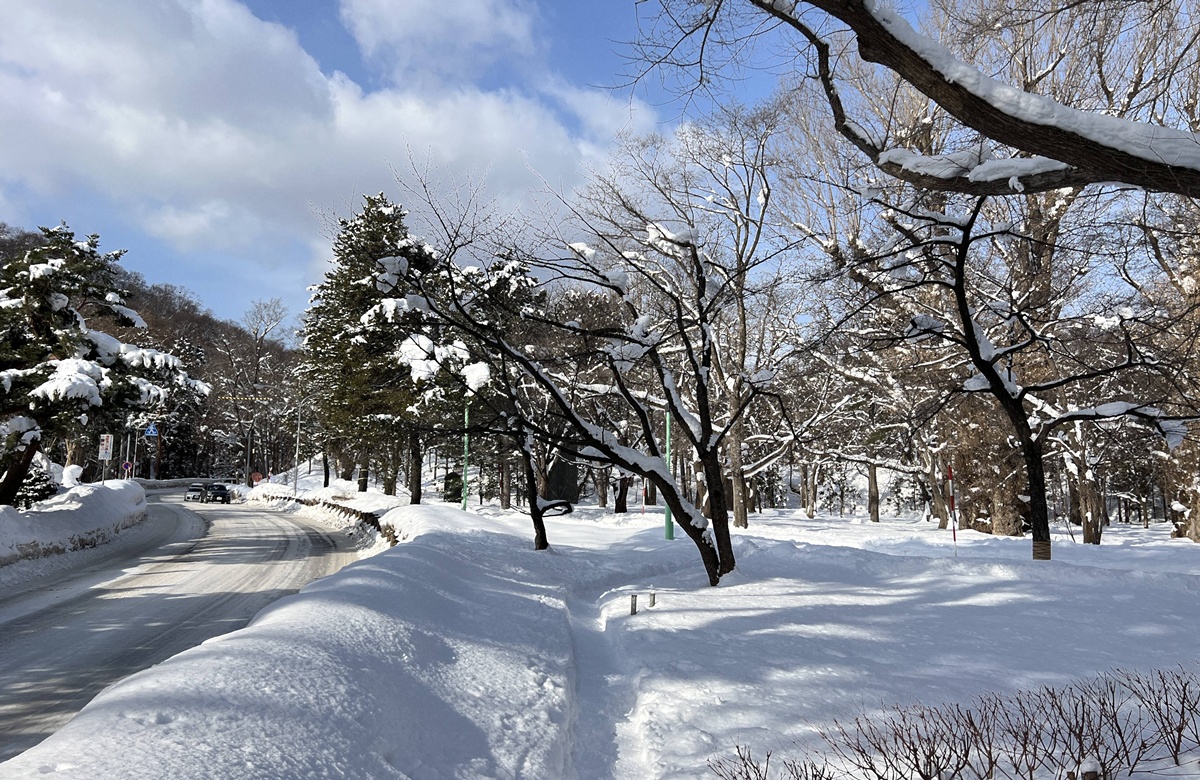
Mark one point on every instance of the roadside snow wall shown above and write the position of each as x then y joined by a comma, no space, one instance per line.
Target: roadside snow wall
82,517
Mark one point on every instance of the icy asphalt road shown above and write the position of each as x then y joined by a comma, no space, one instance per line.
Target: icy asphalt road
65,638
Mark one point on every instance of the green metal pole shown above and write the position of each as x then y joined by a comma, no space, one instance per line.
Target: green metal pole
669,529
466,452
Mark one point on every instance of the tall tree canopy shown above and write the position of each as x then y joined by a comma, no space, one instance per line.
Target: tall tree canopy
57,371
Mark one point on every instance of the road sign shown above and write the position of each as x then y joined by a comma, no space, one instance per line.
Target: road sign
127,466
106,443
151,431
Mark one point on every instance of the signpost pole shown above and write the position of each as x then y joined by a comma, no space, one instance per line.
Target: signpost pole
106,453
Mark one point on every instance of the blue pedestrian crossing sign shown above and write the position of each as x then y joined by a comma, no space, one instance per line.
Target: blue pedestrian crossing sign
151,431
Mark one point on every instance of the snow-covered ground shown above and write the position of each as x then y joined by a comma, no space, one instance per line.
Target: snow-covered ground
463,653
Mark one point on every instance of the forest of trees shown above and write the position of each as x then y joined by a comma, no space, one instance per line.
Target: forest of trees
897,266
221,388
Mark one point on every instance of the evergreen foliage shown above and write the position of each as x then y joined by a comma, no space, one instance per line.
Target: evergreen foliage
57,373
38,486
352,332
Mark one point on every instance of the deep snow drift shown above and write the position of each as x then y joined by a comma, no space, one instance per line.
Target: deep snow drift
463,653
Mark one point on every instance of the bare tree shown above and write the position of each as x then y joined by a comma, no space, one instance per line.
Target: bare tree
1058,145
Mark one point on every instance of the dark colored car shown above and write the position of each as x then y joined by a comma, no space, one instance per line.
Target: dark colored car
195,492
217,494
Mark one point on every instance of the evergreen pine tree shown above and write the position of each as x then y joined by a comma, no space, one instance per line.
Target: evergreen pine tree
57,372
38,486
351,335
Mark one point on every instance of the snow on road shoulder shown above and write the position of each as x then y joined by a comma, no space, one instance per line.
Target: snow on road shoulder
446,656
80,518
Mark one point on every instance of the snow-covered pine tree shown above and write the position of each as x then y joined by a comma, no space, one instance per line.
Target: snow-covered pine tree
38,486
363,396
56,371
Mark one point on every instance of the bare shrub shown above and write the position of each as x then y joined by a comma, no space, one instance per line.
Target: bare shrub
1171,700
1027,731
1119,720
742,766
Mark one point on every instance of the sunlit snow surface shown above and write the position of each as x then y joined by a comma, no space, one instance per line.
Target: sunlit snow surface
463,653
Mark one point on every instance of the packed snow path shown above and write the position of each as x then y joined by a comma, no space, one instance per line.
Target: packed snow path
64,639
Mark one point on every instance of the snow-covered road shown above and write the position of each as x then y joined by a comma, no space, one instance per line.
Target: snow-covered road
65,638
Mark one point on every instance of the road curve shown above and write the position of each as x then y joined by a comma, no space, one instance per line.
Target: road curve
73,635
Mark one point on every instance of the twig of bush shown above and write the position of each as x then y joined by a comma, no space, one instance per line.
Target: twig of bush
1120,723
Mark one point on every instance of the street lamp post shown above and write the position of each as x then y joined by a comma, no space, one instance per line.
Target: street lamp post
296,474
669,527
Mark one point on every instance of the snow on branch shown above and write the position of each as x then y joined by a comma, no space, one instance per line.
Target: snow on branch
1092,147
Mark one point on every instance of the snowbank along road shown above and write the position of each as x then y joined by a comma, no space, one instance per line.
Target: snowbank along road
65,638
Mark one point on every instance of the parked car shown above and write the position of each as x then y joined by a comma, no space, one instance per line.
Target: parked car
195,492
217,494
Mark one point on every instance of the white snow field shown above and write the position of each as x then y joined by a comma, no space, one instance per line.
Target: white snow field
463,653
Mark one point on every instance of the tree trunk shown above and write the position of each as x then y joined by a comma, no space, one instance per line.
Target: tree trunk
416,464
651,494
14,475
601,477
810,489
540,541
718,511
325,467
621,503
738,497
873,492
505,486
673,497
363,474
1039,508
939,504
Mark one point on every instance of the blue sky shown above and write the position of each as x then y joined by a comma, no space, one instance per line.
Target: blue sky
210,137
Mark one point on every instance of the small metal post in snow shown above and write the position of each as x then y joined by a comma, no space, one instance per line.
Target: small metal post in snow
652,598
633,603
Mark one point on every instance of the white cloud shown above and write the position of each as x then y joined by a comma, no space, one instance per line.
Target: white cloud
212,129
427,40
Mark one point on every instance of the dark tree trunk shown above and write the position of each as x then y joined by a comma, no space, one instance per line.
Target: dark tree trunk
325,466
416,464
621,503
1039,506
540,542
718,512
14,475
703,542
873,492
364,474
